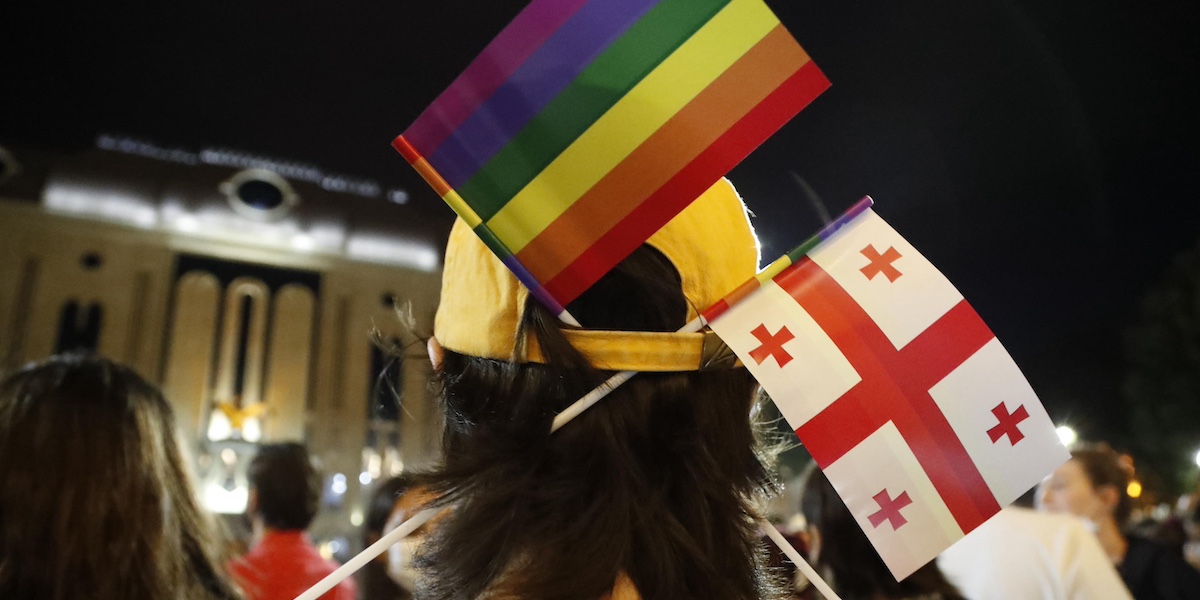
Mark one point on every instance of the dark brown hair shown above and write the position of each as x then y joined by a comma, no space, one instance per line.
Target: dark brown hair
658,481
96,501
856,570
379,509
1102,466
373,580
286,484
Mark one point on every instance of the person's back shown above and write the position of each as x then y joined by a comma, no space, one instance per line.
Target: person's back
284,491
648,494
95,500
1157,571
1020,553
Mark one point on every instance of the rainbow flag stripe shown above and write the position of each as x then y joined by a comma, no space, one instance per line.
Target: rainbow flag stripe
785,261
587,124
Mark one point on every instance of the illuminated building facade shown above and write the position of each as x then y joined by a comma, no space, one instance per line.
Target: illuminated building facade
256,292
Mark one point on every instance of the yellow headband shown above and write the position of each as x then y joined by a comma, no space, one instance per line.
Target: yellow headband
711,244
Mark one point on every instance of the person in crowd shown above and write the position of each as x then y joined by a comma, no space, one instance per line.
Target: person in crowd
96,500
650,493
850,565
1189,510
376,579
1020,553
1092,485
401,556
798,586
283,500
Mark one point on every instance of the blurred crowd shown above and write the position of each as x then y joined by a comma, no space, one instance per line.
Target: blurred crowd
1076,535
97,503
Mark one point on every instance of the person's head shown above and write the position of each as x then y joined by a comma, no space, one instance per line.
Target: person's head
838,545
654,481
284,487
379,509
375,580
96,501
401,567
1091,485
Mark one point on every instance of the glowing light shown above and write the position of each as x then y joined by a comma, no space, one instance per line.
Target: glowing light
100,204
327,236
1066,435
251,430
356,517
228,456
228,157
398,196
186,223
218,426
1198,458
374,464
364,478
393,251
337,485
395,464
292,170
304,242
127,145
223,501
1134,489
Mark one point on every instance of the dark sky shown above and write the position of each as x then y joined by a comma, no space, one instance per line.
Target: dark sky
1043,154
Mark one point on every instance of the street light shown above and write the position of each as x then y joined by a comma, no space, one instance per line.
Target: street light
1068,436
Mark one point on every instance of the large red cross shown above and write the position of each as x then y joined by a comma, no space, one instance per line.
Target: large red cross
881,263
772,345
889,510
1008,424
895,387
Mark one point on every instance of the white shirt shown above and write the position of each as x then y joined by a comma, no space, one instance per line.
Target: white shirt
1020,554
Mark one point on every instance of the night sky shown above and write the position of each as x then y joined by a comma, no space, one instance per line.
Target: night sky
1043,154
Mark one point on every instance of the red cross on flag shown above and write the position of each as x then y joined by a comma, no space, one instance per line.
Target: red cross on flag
905,399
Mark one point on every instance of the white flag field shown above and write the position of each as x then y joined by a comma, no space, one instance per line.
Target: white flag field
905,399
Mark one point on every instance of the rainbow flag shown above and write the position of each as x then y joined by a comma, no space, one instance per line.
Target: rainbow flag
586,125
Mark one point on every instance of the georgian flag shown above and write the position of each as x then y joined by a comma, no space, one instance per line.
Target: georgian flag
905,399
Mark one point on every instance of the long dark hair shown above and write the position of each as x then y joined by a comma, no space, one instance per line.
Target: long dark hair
1102,466
96,501
857,571
659,481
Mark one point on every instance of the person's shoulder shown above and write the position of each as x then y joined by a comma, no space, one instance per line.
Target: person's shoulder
242,567
1049,527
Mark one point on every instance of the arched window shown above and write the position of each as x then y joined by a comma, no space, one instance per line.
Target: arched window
79,327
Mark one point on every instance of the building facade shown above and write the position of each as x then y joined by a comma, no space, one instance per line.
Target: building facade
267,306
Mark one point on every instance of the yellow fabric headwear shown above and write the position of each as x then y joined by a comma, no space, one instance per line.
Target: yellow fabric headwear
711,244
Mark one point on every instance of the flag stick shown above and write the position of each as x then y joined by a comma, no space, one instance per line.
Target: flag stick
367,555
591,398
786,547
576,408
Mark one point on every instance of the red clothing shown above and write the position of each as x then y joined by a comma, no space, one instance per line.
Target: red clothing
282,566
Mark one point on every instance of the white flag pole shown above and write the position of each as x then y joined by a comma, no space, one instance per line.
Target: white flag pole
576,408
809,572
367,555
